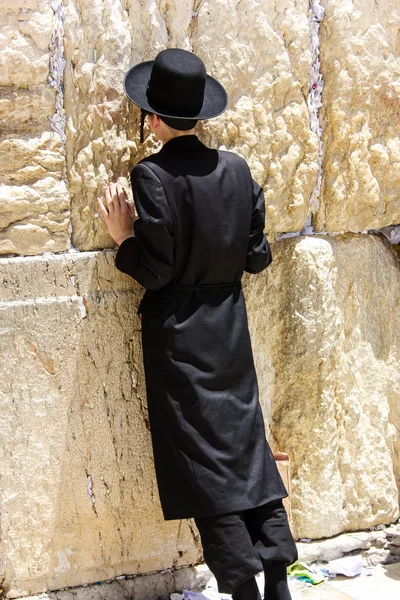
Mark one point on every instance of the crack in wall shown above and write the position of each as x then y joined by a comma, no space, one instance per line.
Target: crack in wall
314,103
193,23
90,492
57,64
56,67
314,100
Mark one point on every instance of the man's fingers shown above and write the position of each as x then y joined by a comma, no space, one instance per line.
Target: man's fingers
132,210
122,197
116,201
113,190
103,210
108,195
121,192
116,196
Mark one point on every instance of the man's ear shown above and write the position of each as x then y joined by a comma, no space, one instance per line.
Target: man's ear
150,121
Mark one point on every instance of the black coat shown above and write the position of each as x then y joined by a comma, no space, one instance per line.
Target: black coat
201,225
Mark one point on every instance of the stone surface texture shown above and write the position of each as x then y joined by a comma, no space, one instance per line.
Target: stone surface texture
325,325
78,494
377,541
34,199
260,54
360,63
142,587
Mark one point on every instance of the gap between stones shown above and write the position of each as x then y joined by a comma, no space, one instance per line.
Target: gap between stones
55,79
314,102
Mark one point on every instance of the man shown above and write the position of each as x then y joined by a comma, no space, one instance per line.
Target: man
200,226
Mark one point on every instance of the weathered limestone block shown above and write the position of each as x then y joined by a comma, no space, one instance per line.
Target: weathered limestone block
261,56
34,199
367,543
32,159
152,586
98,48
78,491
24,42
360,63
102,40
260,53
33,195
25,111
325,325
34,218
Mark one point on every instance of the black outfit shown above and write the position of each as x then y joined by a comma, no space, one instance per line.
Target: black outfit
239,545
200,226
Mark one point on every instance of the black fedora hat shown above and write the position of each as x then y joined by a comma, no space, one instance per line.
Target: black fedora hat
175,84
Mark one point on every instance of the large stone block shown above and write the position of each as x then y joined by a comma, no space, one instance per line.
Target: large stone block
325,326
360,63
98,49
24,42
259,53
33,195
34,218
27,160
79,496
102,40
26,111
78,491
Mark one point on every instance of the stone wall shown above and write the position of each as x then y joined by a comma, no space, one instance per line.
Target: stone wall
78,495
325,326
35,203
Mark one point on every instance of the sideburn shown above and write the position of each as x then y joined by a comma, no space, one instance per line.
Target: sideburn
143,114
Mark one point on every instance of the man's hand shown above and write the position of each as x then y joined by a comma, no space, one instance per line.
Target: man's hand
118,214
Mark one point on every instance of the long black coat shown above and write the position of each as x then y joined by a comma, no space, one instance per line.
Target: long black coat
201,225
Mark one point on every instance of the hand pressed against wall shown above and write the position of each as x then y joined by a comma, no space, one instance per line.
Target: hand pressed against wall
117,213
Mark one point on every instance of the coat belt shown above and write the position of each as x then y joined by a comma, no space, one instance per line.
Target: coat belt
151,297
182,287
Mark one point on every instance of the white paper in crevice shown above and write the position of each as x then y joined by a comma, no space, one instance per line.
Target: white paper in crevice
57,66
392,233
314,101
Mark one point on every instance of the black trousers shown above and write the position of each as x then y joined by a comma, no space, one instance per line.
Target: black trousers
237,546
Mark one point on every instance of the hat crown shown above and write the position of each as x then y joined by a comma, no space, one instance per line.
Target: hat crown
177,83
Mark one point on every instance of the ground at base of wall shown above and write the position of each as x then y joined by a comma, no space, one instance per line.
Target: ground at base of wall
381,581
380,544
378,547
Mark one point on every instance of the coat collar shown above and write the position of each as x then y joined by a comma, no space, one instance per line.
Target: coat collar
183,142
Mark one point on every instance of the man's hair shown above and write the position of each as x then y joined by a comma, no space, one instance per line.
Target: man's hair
178,124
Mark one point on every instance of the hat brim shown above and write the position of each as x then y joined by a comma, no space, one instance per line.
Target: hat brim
135,86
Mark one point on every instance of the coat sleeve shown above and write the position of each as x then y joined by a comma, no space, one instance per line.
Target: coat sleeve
148,255
259,254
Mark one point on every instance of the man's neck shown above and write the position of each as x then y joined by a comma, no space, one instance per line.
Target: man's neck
180,134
